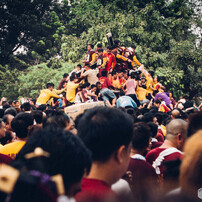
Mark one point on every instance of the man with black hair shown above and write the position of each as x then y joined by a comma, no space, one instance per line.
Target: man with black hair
156,84
21,125
89,74
65,78
163,97
76,71
71,88
43,107
46,94
68,157
26,107
9,136
107,133
120,59
142,172
156,138
84,92
195,123
115,80
130,53
90,55
149,77
105,92
101,60
12,111
38,117
3,158
119,48
7,119
92,93
2,130
157,103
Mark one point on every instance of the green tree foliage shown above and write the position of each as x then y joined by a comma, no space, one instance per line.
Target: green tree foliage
162,30
9,83
36,78
20,24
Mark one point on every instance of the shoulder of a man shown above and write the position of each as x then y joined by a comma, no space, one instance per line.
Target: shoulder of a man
92,188
153,154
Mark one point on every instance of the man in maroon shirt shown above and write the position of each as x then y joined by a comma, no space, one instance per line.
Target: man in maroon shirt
171,148
65,78
107,133
90,55
143,174
156,138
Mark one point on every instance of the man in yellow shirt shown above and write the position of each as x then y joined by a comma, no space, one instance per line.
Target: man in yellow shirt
142,93
20,125
149,78
46,94
71,89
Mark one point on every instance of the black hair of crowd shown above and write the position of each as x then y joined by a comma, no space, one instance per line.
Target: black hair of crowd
104,130
68,155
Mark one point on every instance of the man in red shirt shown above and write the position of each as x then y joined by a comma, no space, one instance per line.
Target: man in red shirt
170,150
107,133
143,174
106,94
111,61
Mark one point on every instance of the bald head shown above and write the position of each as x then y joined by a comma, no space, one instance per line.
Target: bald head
176,126
175,113
177,133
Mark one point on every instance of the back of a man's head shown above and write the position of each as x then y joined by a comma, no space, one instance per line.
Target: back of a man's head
11,111
20,124
57,119
26,106
104,130
38,116
68,155
195,123
141,136
175,114
177,130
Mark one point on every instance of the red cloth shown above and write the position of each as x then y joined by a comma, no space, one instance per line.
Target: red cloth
105,82
154,153
142,171
160,137
111,61
83,92
5,159
156,144
60,84
160,131
92,188
122,80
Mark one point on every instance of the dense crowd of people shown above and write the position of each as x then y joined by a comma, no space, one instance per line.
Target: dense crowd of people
143,145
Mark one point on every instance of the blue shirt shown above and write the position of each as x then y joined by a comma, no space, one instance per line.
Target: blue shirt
125,101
